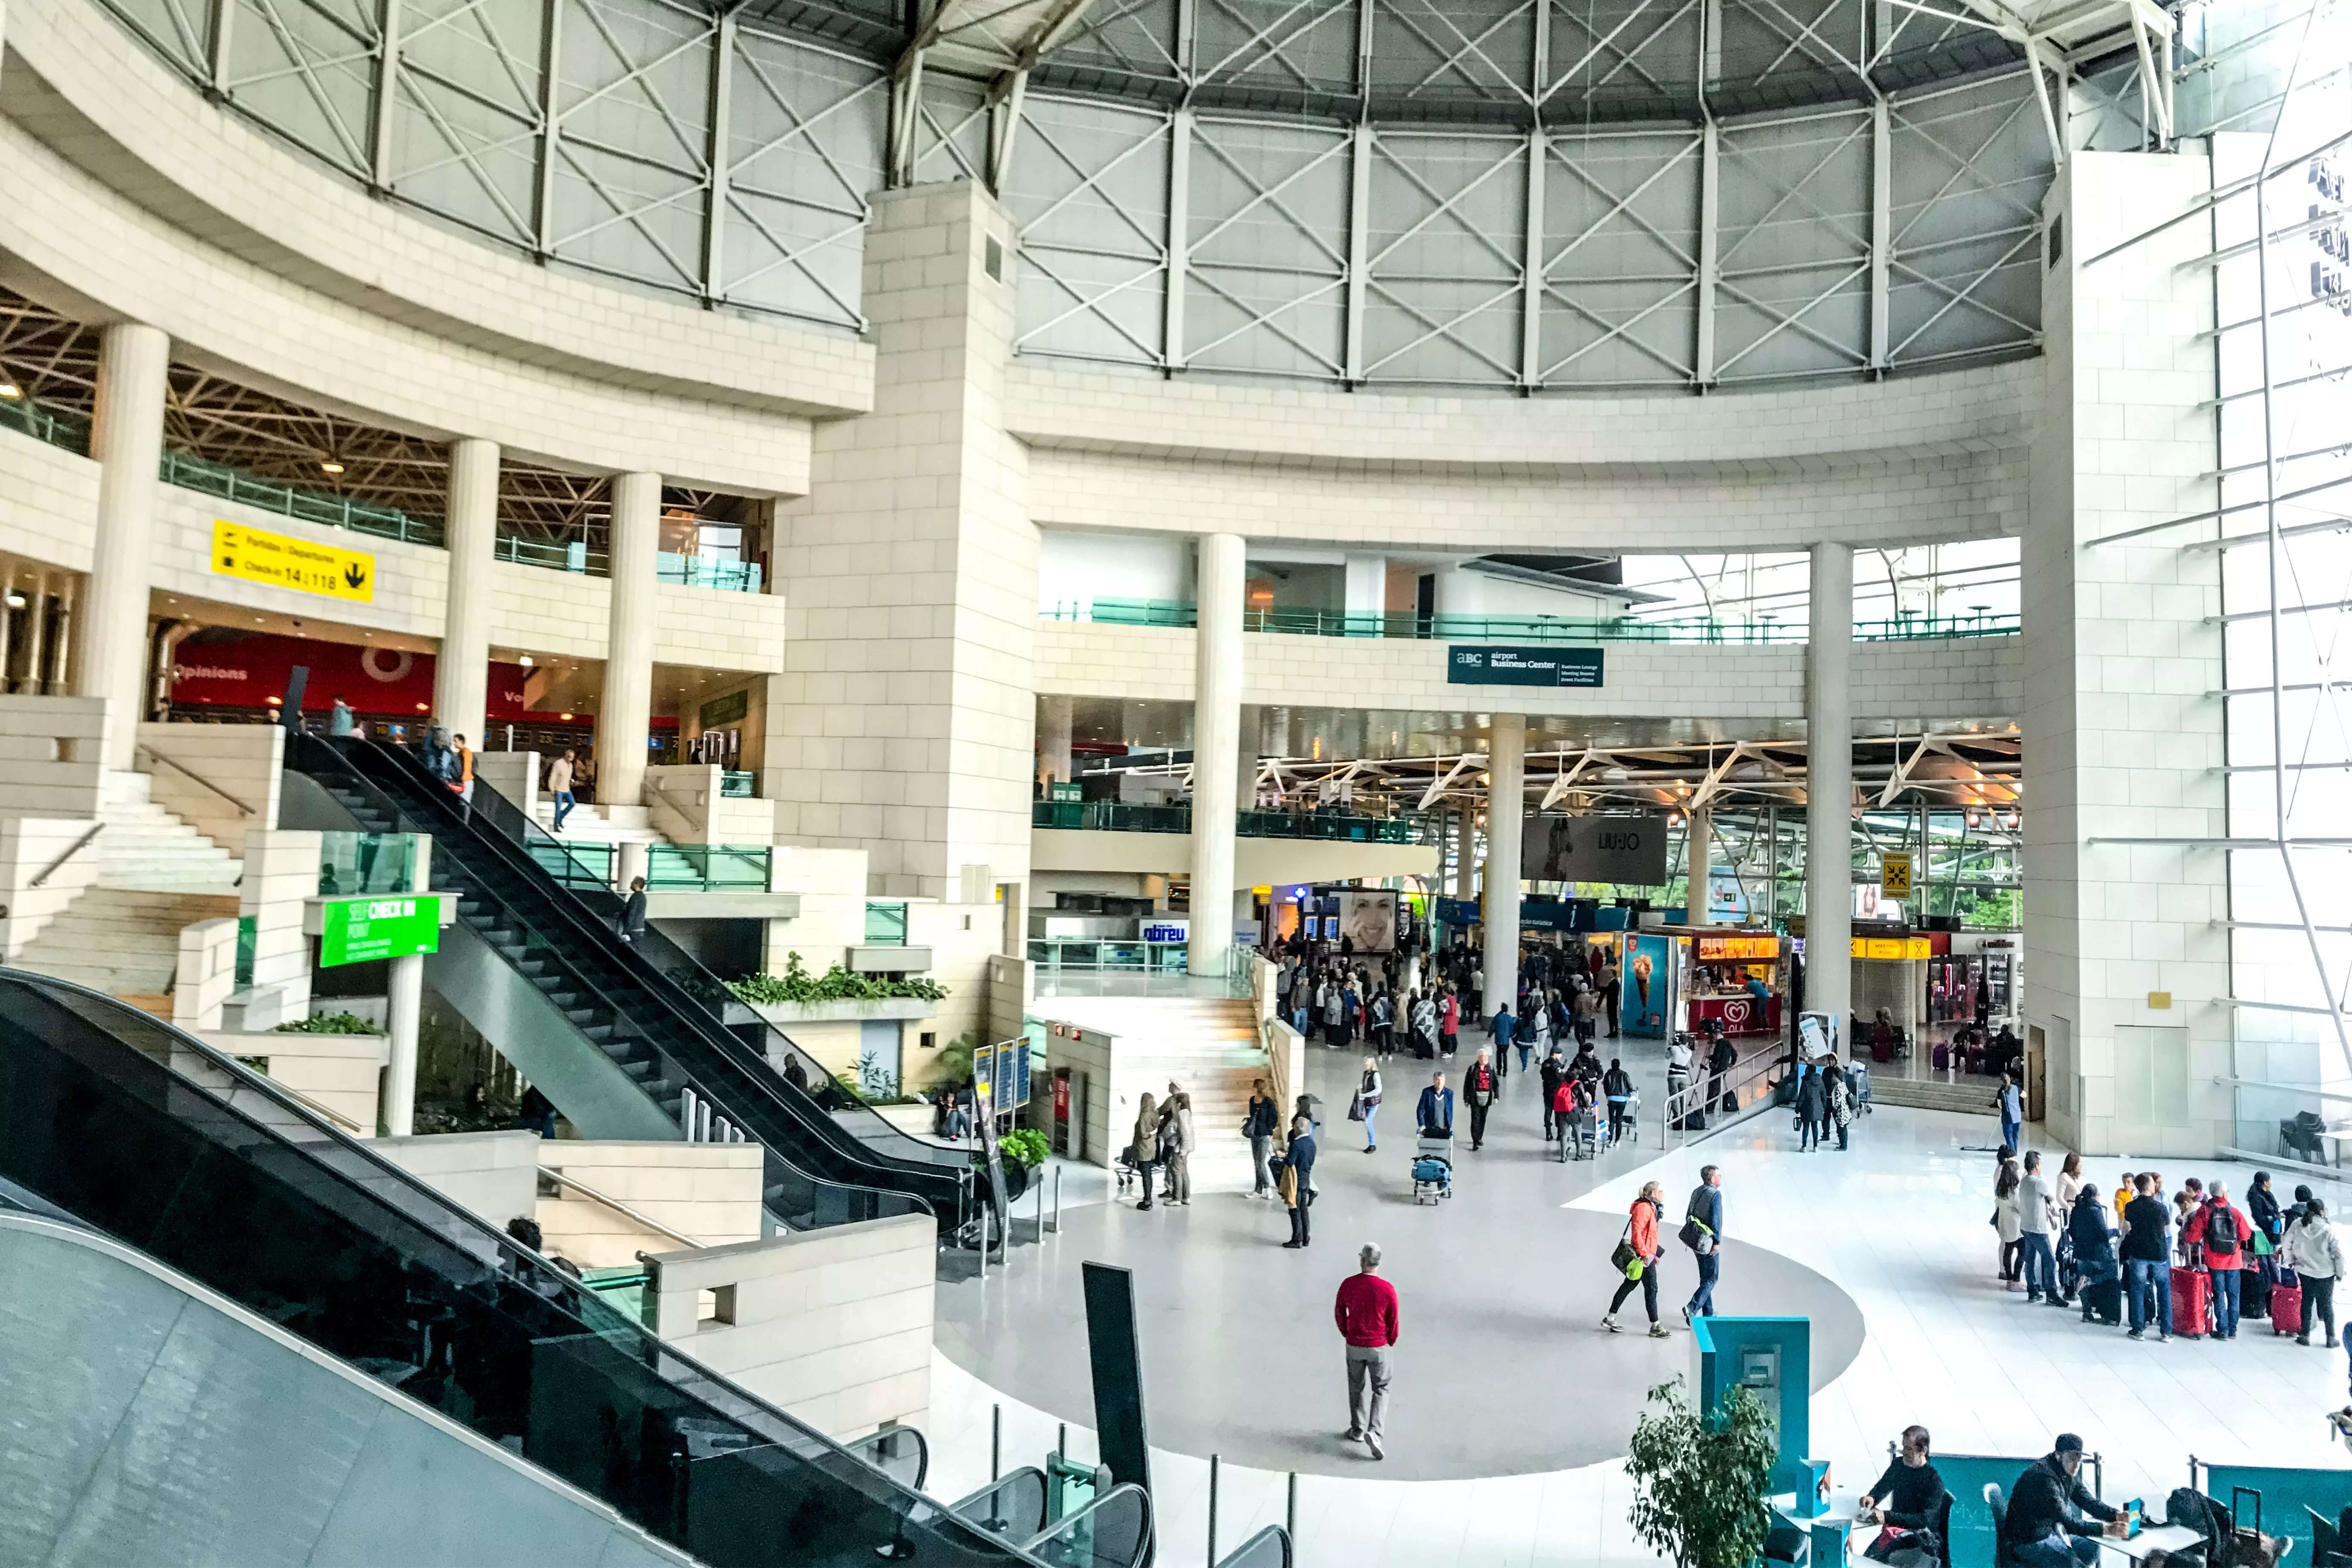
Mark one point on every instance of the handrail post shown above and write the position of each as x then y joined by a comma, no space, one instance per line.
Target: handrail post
1212,1558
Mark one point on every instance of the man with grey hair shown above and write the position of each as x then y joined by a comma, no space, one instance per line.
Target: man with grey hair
1366,1312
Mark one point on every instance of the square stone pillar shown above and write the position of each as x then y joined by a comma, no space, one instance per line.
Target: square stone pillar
2122,722
903,724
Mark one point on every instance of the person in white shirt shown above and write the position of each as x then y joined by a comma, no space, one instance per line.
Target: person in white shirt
2312,1250
2036,1218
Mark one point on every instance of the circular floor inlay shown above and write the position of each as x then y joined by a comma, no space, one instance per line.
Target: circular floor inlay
1501,1368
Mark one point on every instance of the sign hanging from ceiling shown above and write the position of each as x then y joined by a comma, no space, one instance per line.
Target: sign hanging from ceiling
1894,875
1485,666
282,560
1630,850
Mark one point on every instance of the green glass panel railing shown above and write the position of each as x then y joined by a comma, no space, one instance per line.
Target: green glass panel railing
193,473
1298,622
741,785
623,1290
702,571
1122,816
886,923
554,555
708,867
367,863
69,431
574,865
247,925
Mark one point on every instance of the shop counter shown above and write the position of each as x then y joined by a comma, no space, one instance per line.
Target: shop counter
1740,1013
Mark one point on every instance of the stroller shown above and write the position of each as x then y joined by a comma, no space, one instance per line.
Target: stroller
1433,1170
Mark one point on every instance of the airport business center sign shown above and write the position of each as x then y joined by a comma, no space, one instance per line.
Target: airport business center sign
1484,665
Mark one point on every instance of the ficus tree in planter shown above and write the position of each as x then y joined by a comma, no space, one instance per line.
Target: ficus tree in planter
1700,1480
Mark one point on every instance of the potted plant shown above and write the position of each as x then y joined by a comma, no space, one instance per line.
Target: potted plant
1700,1480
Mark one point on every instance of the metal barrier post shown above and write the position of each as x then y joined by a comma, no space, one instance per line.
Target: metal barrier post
984,1243
1212,1511
1290,1516
995,1443
1058,1200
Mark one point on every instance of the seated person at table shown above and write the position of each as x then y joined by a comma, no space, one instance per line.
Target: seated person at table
1910,1494
2046,1527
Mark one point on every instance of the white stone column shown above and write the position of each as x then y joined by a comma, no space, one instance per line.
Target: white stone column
1698,858
1507,804
404,1006
461,674
1366,584
1216,739
626,717
109,655
1247,756
1829,788
1054,725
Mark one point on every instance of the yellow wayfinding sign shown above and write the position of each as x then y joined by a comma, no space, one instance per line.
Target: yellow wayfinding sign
284,562
1895,876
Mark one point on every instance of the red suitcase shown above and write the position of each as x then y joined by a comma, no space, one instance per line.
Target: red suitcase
2286,1309
2192,1302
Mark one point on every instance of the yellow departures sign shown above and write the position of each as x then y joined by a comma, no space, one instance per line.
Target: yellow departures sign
284,562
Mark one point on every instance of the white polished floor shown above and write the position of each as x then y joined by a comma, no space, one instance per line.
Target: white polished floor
1899,1224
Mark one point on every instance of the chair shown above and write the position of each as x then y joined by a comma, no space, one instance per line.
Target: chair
1997,1504
2325,1541
1944,1528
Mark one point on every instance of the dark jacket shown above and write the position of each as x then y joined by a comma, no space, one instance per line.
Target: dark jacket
1302,1160
1554,1069
1909,1498
1812,1096
1706,1206
1261,1122
1435,1111
1617,1083
2263,1207
1723,1058
2047,1501
2094,1250
1478,1086
632,913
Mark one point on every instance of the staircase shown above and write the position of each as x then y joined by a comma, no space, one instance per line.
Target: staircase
586,823
1969,1095
1208,1047
124,942
146,848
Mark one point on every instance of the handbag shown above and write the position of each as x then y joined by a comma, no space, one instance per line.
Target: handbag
1356,1107
1624,1260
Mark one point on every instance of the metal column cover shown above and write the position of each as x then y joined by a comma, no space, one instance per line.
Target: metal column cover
1506,803
625,718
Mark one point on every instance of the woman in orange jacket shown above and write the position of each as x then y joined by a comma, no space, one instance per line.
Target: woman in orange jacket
1642,1272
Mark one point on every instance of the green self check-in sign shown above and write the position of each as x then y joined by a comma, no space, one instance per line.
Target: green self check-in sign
358,930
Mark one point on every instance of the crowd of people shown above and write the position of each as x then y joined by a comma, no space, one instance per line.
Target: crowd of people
1419,1000
2191,1261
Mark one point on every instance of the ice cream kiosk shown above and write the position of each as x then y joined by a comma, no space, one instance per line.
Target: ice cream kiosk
1734,979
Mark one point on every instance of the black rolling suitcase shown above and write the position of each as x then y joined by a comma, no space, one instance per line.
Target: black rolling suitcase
2105,1301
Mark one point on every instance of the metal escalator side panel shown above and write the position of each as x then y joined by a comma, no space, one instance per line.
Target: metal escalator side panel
1112,1531
1013,1505
595,1093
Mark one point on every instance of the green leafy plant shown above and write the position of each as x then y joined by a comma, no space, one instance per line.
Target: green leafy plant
1699,1480
1025,1146
797,986
330,1024
953,1064
876,1095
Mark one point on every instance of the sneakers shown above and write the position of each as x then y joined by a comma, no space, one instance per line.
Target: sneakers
2138,1334
1351,1436
1374,1444
1686,1315
1658,1331
1608,1322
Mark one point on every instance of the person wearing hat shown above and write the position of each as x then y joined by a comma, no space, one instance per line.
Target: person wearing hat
2049,1510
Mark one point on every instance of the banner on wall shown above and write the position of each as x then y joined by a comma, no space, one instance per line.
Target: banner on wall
1647,997
244,670
1627,850
1369,920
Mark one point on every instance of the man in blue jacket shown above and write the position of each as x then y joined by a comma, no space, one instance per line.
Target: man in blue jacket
1436,1112
1705,1211
1299,1178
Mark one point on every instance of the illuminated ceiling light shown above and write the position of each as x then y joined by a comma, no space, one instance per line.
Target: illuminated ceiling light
525,660
10,389
275,701
1975,818
567,718
331,466
16,601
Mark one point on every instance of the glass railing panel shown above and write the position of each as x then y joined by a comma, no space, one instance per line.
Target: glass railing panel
48,425
1013,1505
705,572
574,865
708,867
1308,621
1112,1531
885,922
193,473
1269,1548
367,863
740,784
554,555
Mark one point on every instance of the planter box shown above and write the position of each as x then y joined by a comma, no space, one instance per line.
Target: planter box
883,960
783,1014
915,1121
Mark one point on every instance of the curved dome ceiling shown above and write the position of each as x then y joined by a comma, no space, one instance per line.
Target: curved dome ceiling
1490,62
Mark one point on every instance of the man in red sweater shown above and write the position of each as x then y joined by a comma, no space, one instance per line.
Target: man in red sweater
1366,1312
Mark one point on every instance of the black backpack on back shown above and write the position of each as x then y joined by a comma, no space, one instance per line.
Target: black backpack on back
2221,1230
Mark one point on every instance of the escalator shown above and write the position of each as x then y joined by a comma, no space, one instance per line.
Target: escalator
239,1189
629,1040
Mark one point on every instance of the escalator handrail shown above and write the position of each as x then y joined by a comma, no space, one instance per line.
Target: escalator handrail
882,1435
760,1080
598,933
694,1080
1245,1555
508,1254
986,1497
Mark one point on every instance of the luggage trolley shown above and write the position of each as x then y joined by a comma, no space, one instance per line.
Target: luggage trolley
1433,1170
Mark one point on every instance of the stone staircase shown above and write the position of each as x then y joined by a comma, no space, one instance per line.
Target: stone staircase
124,942
154,875
587,823
1969,1095
1210,1047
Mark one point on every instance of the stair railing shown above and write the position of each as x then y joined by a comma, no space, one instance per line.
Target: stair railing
41,876
185,772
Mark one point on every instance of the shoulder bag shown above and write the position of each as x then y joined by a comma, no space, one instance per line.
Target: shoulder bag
1624,1260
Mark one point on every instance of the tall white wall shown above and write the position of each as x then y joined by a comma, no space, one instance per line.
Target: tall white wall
2123,735
904,722
1076,567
